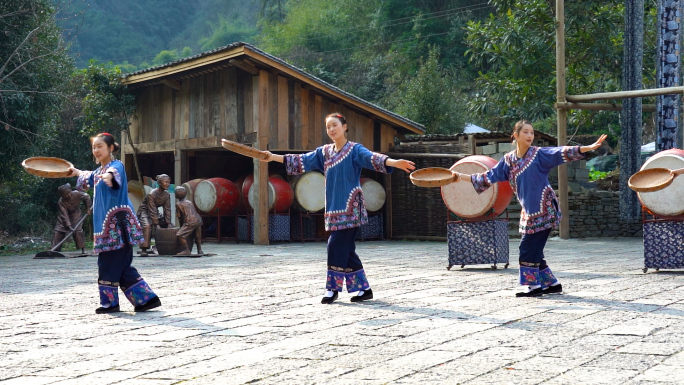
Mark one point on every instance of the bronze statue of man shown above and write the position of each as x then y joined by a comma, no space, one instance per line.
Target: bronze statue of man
190,222
148,212
69,215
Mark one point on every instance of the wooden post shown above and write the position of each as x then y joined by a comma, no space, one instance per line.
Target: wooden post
562,115
472,144
261,168
387,180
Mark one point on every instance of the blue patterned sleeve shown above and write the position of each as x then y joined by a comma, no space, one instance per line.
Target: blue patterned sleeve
85,180
550,157
296,164
499,173
371,160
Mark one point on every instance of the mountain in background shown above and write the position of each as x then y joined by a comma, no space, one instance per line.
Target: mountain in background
136,34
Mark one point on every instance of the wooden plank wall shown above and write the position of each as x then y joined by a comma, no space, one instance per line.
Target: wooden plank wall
223,104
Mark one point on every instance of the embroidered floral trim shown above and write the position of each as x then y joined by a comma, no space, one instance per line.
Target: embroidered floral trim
354,216
546,278
111,237
357,281
294,164
529,276
571,153
140,293
109,295
333,158
547,217
340,269
480,182
334,281
82,181
518,165
378,162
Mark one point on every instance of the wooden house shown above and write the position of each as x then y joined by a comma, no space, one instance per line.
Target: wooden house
241,93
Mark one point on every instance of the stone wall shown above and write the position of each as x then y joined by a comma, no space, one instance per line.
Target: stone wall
592,214
597,214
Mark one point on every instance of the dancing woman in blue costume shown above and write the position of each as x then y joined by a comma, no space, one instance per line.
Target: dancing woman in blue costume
345,210
527,170
116,230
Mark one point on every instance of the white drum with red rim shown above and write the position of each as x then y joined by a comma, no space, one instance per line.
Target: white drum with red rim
462,199
309,192
280,194
374,194
668,202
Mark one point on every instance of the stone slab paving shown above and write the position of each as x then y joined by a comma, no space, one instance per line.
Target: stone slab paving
252,314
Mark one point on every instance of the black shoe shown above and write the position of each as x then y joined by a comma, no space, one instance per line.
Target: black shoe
329,300
554,289
367,294
151,304
538,292
105,310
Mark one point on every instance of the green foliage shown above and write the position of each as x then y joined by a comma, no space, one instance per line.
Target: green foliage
227,32
596,175
107,105
164,57
514,50
431,97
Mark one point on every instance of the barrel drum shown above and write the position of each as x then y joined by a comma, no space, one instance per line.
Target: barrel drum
668,202
462,199
190,187
309,192
280,195
216,196
374,195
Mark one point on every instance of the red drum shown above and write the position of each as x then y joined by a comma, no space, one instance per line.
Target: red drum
216,196
280,194
309,192
242,206
668,202
374,194
190,187
462,199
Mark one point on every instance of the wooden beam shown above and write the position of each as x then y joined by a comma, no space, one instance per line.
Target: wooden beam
261,168
562,118
185,66
599,106
326,90
625,94
176,85
245,66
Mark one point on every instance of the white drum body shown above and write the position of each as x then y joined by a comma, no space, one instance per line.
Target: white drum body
374,194
462,199
668,202
309,192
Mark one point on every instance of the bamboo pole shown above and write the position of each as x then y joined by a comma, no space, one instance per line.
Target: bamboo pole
564,229
599,106
625,94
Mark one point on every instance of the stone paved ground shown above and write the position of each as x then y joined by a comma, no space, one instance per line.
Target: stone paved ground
251,314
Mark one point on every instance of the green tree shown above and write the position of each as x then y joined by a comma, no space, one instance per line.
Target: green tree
514,50
107,103
227,32
164,57
432,98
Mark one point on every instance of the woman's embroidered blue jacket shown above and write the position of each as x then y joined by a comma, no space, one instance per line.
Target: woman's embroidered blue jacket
344,203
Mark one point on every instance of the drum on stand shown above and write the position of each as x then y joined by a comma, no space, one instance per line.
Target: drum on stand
216,196
668,202
374,195
190,187
462,199
280,194
309,192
